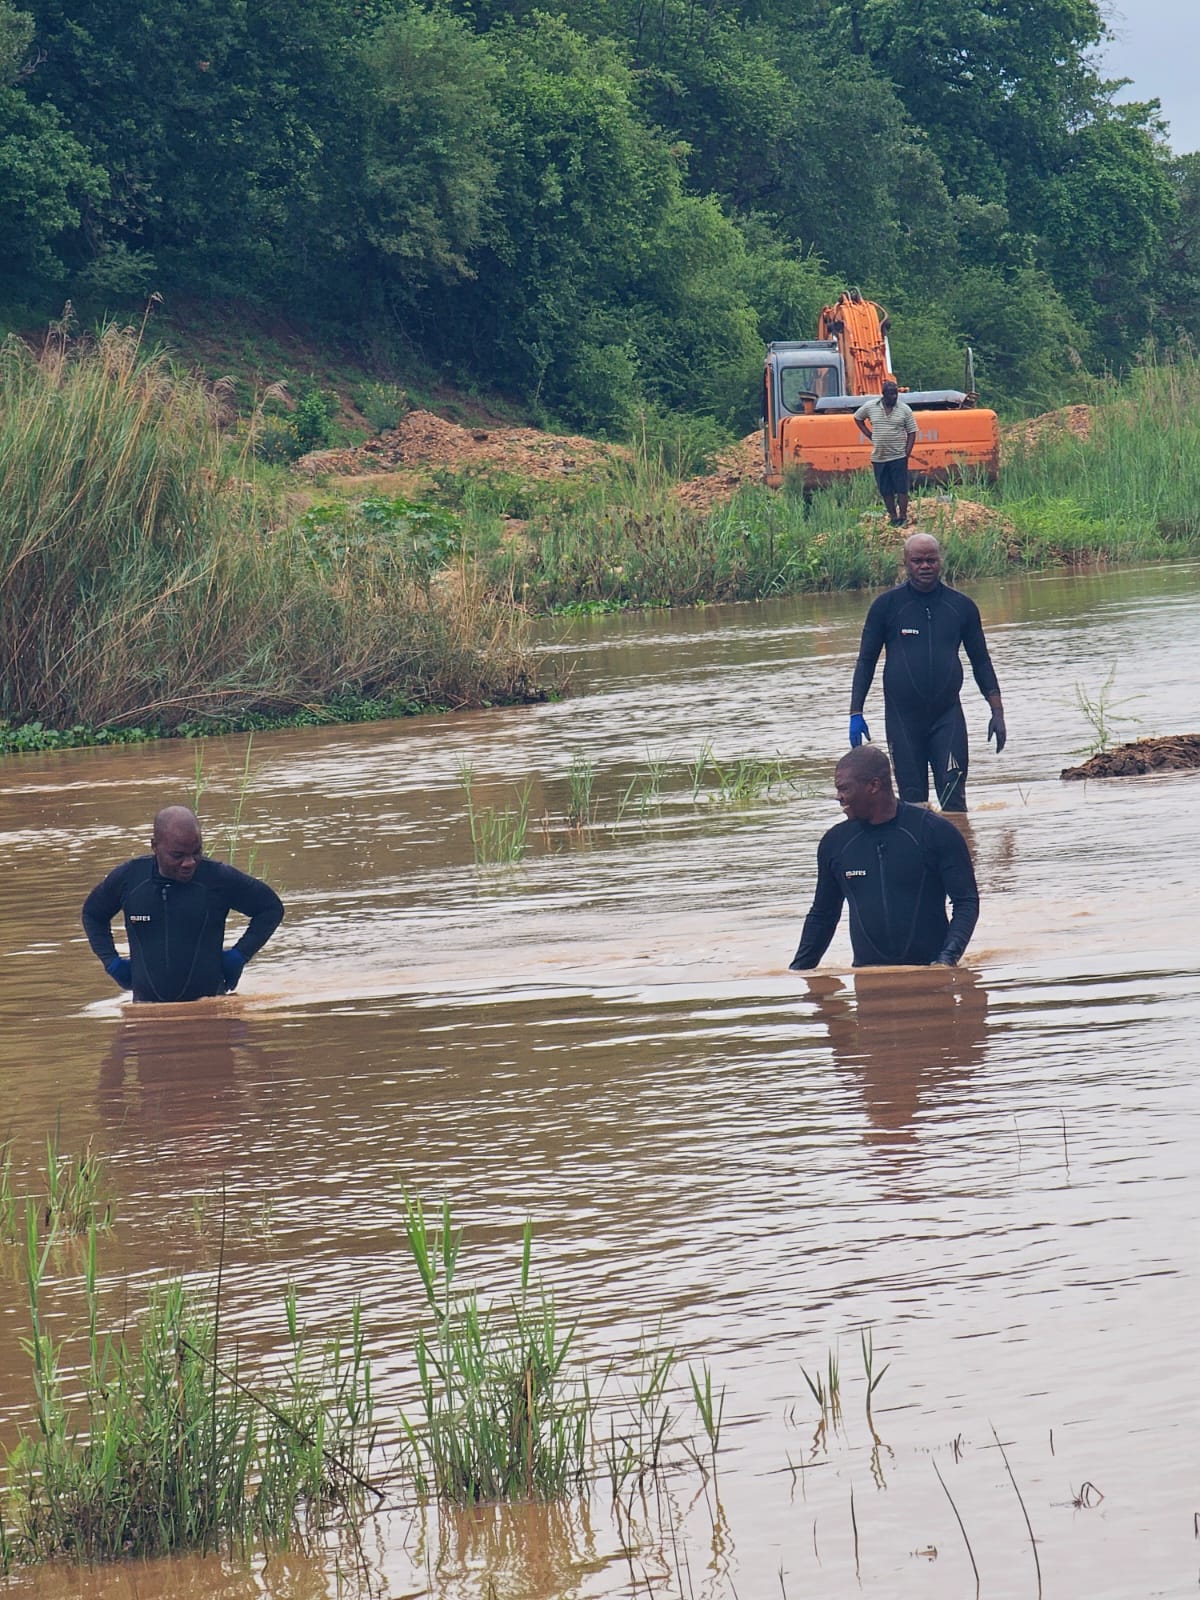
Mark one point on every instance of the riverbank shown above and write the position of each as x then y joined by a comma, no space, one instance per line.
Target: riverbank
1115,481
154,581
158,581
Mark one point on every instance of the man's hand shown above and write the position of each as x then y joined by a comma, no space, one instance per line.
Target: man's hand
997,730
945,961
232,963
120,970
858,730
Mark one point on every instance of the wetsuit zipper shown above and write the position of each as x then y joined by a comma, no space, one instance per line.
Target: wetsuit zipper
880,851
166,929
929,651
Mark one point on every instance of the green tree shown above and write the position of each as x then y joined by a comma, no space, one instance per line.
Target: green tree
430,137
45,176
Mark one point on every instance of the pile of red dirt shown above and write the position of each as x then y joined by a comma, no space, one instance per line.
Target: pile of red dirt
424,440
1076,420
1174,752
742,463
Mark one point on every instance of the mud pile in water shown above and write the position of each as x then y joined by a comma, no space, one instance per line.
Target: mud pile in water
1174,752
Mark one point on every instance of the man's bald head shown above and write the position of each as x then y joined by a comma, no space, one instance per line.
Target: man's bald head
176,843
863,782
923,561
865,764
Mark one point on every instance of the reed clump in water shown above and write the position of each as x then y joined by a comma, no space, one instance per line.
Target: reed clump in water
504,1415
145,579
170,1447
502,1419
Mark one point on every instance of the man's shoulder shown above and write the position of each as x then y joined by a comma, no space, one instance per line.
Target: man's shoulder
133,871
931,827
834,840
960,602
220,874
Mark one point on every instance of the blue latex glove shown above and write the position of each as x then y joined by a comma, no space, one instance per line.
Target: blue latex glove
120,970
858,730
232,962
997,730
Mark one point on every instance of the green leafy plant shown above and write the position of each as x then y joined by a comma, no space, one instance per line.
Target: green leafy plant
382,404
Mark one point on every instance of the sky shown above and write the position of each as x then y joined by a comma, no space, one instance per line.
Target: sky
1157,45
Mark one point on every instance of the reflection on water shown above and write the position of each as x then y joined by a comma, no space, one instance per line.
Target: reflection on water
992,1169
904,1035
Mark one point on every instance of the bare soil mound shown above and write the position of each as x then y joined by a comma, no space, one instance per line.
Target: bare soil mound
1174,752
424,440
1077,420
742,463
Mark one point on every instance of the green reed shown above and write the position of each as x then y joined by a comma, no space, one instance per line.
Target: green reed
74,1190
8,1198
640,1430
502,1417
1102,711
643,793
742,781
710,1406
581,802
499,837
171,1447
874,1379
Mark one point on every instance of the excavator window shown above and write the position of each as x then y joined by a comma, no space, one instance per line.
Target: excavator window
822,381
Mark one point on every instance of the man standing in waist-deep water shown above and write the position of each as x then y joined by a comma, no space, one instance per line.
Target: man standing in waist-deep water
897,865
175,902
922,624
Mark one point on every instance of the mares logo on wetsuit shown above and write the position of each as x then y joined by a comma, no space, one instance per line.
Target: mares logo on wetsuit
856,872
139,917
910,633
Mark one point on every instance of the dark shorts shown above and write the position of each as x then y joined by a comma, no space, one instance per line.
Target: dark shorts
891,477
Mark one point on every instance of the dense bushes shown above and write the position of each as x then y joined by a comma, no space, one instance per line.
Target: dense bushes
143,579
608,208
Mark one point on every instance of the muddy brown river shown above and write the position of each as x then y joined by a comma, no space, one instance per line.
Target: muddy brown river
995,1171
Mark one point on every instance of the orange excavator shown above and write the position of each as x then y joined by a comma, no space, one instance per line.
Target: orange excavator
813,387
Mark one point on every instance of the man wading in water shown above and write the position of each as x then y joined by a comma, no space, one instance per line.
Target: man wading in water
897,865
175,903
892,429
923,624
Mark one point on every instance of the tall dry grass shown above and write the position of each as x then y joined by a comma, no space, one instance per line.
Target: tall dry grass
145,577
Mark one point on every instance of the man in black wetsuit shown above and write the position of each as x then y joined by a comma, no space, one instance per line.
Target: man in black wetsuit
175,903
922,624
896,864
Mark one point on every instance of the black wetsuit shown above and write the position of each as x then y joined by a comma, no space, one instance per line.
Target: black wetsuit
897,876
922,675
177,930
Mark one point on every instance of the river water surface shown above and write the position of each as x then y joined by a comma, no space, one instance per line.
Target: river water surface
995,1171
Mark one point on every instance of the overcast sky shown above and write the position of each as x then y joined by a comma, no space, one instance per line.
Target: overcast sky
1157,45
